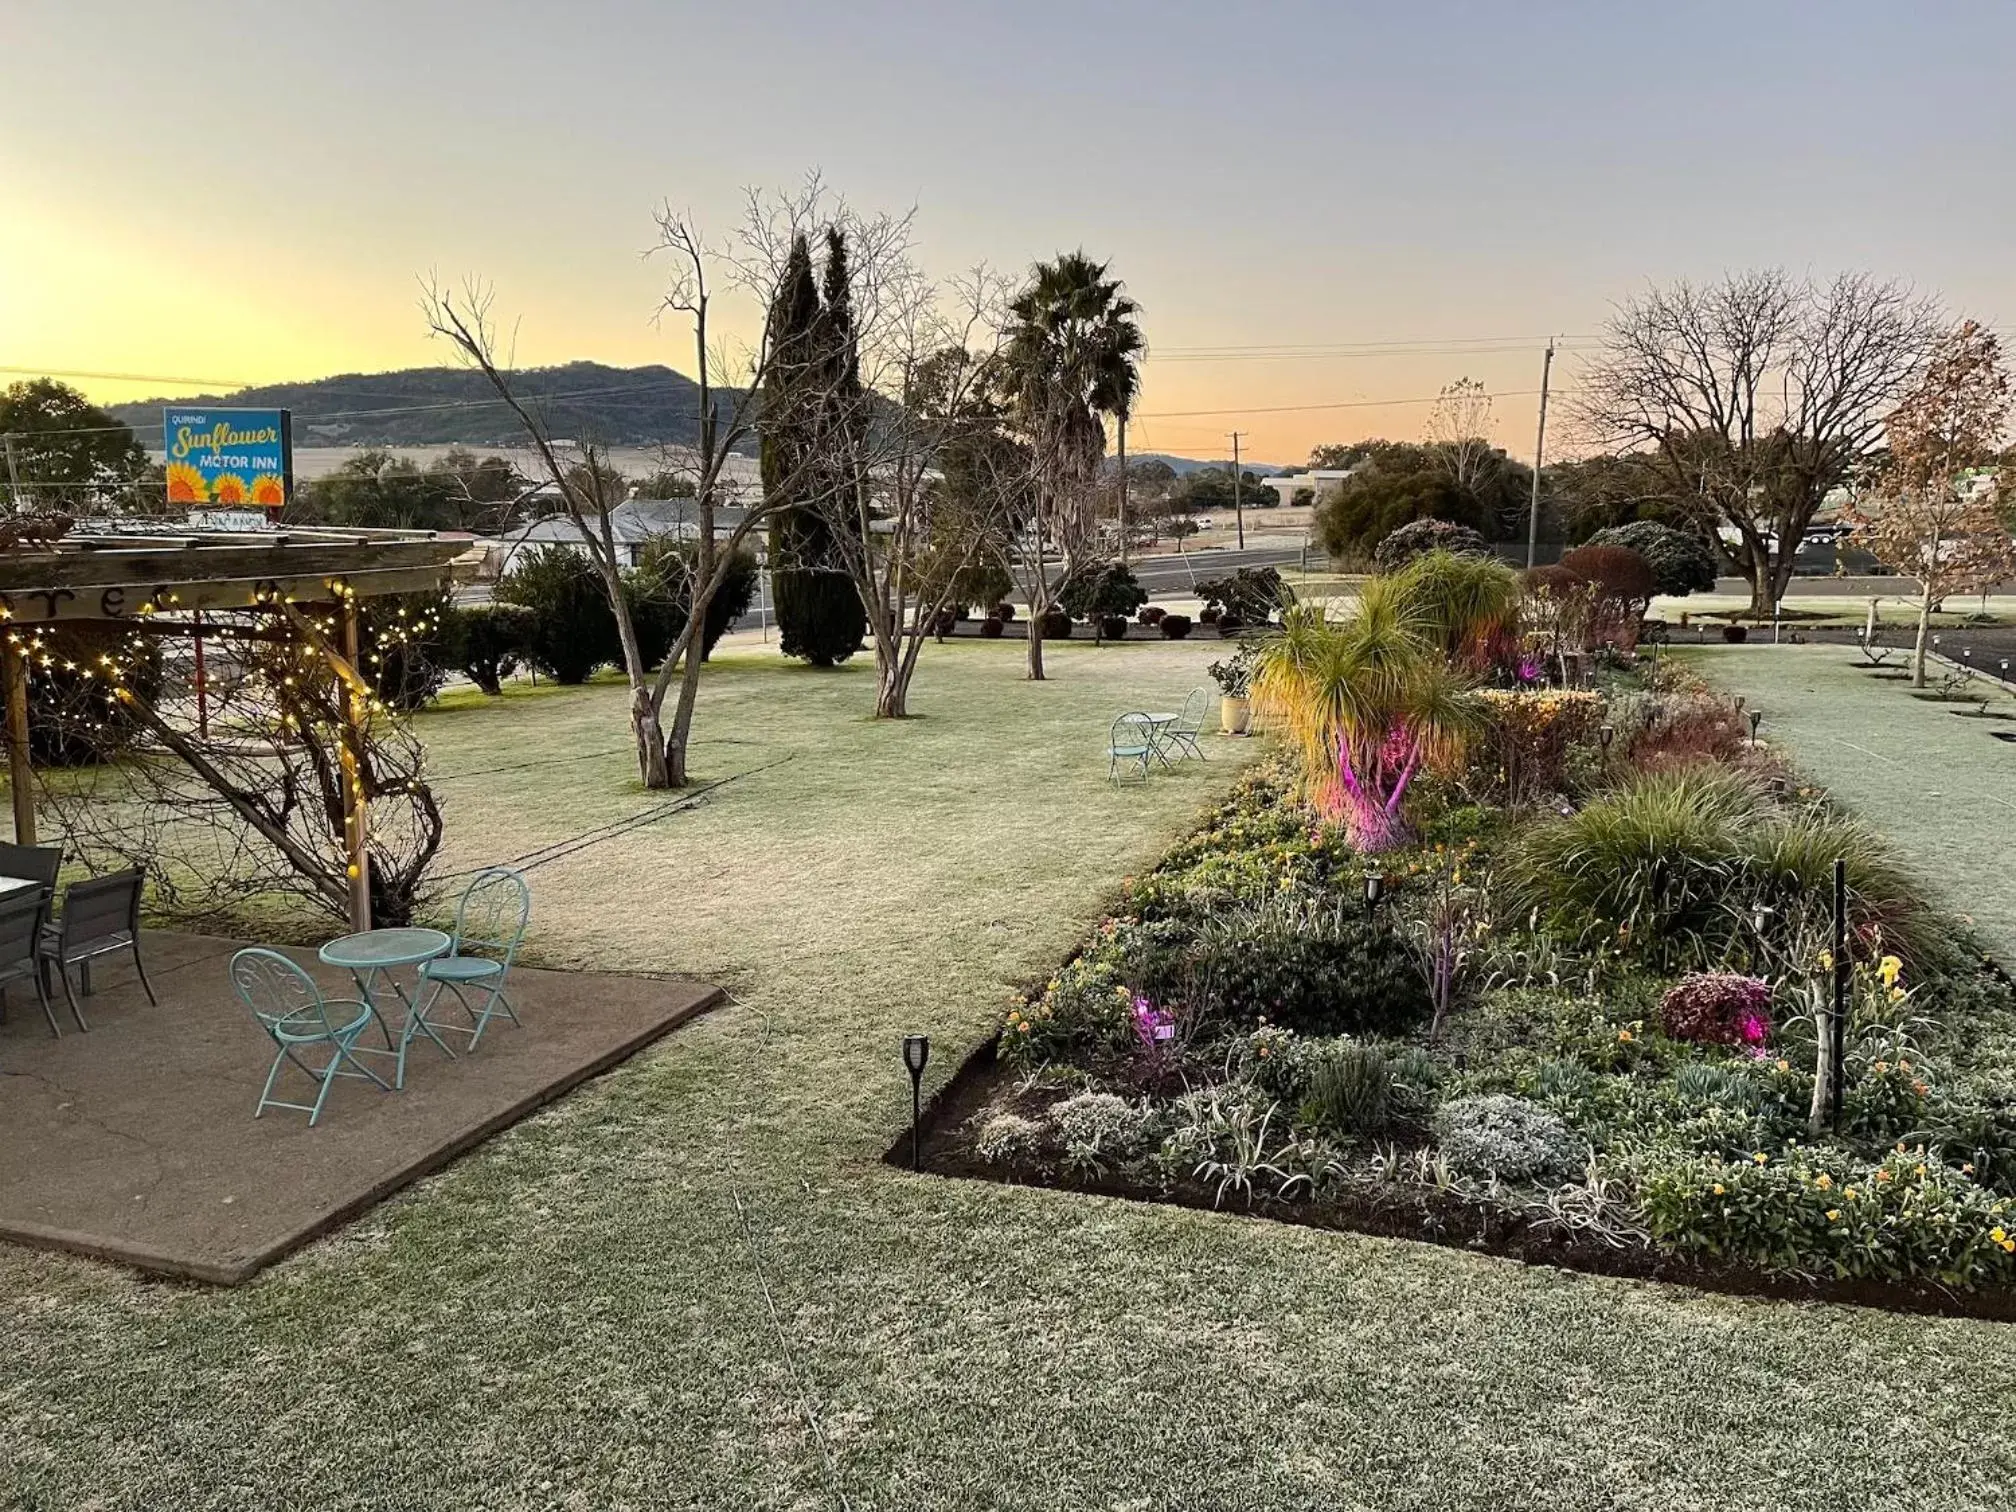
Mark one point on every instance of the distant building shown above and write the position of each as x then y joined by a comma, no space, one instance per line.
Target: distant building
1319,481
633,524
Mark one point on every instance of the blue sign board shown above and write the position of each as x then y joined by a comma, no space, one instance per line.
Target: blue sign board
233,457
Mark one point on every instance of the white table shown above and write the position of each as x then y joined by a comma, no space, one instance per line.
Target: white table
12,885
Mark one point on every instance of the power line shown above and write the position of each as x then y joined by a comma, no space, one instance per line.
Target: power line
1287,409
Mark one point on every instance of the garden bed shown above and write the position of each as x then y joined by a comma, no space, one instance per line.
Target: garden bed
1582,1026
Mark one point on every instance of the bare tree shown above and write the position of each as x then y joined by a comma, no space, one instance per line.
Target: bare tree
699,269
1933,512
1758,395
919,507
1459,429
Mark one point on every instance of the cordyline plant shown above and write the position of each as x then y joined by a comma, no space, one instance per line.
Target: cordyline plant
1371,701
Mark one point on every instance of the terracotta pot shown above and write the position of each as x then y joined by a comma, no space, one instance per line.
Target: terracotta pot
1233,714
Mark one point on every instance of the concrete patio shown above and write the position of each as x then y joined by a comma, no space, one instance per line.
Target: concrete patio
136,1143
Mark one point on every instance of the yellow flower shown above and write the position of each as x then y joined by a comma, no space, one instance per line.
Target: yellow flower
1826,960
1833,1215
1998,1234
2009,1246
1718,1189
1823,1181
1849,1193
1759,1157
1623,1036
1784,1065
1888,969
1896,994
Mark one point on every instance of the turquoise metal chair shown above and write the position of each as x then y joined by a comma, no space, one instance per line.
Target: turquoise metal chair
490,925
1181,737
295,1015
1131,743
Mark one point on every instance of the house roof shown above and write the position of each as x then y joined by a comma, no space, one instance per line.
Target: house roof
635,521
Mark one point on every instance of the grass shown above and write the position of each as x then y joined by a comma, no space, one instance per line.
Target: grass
1932,781
579,1315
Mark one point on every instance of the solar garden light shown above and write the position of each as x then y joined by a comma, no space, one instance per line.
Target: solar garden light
1375,889
1604,736
916,1056
2005,669
1756,719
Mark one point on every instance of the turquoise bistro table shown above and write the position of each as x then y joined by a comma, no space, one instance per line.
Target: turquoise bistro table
372,959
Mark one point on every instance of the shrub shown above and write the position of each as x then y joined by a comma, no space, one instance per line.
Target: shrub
1691,728
1420,537
1498,1137
661,594
980,585
1007,1136
1735,634
1101,592
1056,625
1622,584
990,627
486,642
1112,627
1717,1008
1318,969
1350,1089
1251,595
1151,614
574,631
1175,626
1680,560
1813,1211
1528,735
1208,615
1005,612
1102,1129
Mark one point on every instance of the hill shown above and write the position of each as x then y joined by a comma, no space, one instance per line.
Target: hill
1183,466
638,406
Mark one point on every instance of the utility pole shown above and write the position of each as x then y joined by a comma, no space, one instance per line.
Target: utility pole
1123,488
1238,504
1539,456
14,475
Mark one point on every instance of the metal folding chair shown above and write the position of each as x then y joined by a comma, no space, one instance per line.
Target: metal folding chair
490,925
295,1015
21,916
1131,742
1181,737
100,917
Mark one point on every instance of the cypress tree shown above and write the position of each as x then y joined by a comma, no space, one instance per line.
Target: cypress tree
819,612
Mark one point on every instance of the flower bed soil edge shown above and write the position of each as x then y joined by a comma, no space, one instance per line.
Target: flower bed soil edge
1422,1214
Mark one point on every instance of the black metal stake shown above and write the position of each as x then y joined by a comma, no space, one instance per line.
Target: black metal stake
916,1055
1838,1029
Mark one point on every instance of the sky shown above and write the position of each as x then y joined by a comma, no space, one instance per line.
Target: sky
1327,211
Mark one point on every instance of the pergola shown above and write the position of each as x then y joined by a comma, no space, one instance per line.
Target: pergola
162,580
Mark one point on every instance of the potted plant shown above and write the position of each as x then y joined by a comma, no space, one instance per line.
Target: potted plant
1174,626
1112,627
990,627
1235,688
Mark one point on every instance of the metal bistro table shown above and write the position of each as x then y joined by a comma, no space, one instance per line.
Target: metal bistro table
1157,727
371,958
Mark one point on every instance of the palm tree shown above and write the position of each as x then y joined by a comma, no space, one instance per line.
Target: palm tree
1371,701
1072,361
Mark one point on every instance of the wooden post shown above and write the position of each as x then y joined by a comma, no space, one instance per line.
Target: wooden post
14,673
356,814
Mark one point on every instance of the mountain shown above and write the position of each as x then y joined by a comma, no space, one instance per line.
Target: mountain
638,406
1187,465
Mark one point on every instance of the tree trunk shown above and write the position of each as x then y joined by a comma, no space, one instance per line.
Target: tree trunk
1924,638
1035,673
892,692
651,768
676,774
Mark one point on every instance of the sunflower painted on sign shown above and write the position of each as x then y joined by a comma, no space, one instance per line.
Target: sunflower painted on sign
185,484
229,488
269,491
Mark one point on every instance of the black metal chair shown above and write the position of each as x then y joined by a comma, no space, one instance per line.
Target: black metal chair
21,919
33,863
100,917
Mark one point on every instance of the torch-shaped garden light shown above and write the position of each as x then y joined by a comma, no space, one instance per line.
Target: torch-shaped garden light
1604,736
1375,889
1756,719
916,1056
